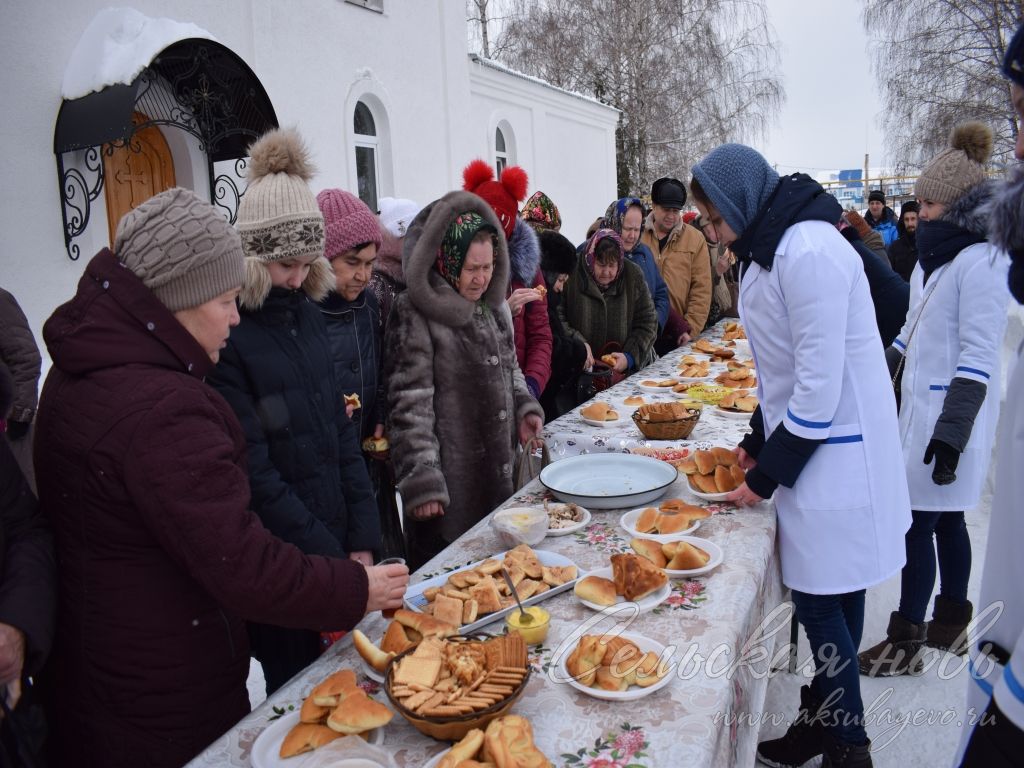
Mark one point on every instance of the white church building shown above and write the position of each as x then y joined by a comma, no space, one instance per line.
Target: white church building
107,106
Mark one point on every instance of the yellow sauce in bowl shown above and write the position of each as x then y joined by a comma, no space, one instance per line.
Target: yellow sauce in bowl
535,632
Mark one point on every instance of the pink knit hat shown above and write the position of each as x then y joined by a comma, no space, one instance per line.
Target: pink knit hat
348,222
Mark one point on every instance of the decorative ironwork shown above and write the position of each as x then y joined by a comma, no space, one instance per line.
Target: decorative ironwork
196,86
225,187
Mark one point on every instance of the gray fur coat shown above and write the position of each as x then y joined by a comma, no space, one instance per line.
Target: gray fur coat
455,392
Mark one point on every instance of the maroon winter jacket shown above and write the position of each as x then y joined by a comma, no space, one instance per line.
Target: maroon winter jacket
532,332
141,470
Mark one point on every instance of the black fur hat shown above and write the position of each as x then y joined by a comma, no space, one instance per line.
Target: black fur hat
557,254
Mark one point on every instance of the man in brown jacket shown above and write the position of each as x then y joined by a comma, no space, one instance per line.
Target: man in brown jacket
680,253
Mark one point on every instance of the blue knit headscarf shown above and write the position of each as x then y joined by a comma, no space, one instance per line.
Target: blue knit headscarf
738,181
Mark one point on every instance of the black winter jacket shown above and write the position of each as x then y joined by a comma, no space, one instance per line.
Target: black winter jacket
354,333
309,483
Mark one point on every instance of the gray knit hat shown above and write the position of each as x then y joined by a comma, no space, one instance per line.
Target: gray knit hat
738,181
181,248
957,169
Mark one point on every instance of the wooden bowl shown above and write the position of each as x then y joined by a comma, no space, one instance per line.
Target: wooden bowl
678,429
454,727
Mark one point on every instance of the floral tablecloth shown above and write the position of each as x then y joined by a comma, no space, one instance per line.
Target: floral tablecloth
707,716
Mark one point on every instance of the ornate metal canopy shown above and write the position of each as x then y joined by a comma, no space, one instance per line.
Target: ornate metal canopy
195,85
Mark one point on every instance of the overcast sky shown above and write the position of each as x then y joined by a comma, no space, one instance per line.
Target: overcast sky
830,118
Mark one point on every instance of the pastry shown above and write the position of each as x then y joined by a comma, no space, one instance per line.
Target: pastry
486,595
595,589
634,400
426,626
448,609
705,461
737,474
335,687
703,483
395,640
647,521
607,680
746,404
464,750
638,576
599,412
375,444
649,549
616,649
358,713
305,737
541,289
608,360
650,670
687,466
673,521
311,712
686,557
724,481
723,456
585,659
353,400
373,655
508,743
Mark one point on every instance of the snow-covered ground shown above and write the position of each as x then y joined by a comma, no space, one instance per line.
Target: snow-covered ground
914,720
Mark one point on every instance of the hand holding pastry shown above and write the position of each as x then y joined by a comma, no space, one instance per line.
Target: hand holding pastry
521,297
619,362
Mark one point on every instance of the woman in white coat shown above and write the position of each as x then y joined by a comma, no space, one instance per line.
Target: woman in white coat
825,441
949,353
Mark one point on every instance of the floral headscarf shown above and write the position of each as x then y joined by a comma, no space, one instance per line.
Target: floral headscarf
455,245
592,243
617,212
540,212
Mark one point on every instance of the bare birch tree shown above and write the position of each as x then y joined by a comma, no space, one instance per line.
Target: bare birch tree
687,75
937,64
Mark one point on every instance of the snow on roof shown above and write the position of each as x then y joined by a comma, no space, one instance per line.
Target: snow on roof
117,45
491,64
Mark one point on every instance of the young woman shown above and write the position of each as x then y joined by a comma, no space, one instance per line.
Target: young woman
457,401
309,483
949,354
825,442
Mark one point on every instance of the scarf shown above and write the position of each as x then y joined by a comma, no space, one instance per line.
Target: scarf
938,242
451,256
588,256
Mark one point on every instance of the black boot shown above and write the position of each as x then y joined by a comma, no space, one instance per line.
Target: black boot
947,630
803,740
839,754
898,654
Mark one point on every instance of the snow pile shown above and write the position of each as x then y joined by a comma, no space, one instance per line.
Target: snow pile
117,45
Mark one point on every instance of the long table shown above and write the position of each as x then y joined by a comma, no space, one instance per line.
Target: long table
722,625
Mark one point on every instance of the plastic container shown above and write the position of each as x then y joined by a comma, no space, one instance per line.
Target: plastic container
520,525
535,632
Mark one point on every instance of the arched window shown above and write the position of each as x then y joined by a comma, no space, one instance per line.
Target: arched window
367,161
500,151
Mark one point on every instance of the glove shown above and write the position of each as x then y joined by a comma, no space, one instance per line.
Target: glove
17,429
946,458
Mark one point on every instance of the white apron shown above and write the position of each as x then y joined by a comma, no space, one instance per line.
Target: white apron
960,334
821,371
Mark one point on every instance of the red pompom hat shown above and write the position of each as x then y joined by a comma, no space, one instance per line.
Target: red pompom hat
503,195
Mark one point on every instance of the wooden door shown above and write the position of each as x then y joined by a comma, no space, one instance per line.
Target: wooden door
130,178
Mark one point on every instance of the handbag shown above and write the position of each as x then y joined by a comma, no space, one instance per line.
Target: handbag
528,463
601,377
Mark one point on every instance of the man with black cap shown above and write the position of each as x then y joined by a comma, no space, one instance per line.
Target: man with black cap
903,251
881,217
680,252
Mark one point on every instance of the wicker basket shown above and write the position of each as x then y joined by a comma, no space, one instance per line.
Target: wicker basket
678,429
455,727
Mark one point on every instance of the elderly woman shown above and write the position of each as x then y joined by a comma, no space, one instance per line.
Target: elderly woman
143,475
607,303
457,401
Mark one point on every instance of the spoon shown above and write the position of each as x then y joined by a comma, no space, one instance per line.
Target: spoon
524,617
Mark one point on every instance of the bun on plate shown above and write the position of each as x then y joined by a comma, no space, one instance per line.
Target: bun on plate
599,412
649,549
648,520
687,557
634,400
596,590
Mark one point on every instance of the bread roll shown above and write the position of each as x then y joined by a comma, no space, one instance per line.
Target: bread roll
357,713
598,412
463,750
585,659
606,680
305,737
649,549
687,466
746,404
672,522
724,481
634,400
373,655
639,576
705,461
616,649
687,557
647,520
737,474
595,589
703,483
311,712
723,456
334,688
650,670
427,626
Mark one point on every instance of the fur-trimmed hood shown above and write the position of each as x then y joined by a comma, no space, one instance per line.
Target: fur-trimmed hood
318,283
1006,213
971,210
389,257
523,253
430,293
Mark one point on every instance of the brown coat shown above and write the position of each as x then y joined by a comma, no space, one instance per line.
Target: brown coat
455,391
685,266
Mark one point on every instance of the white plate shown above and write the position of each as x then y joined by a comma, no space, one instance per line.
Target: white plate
585,520
369,671
717,556
628,521
415,601
730,414
706,496
603,423
266,749
658,390
608,480
646,603
632,693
